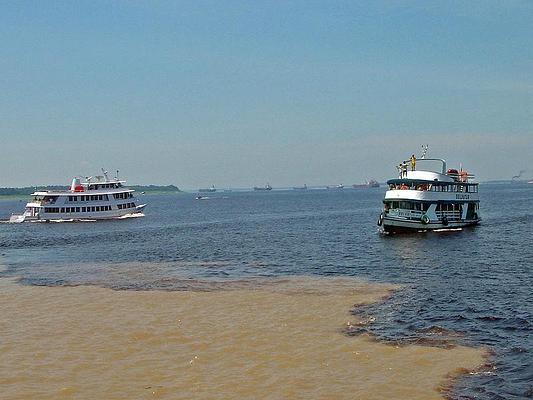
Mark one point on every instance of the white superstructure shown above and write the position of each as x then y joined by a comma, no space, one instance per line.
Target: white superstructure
95,199
422,199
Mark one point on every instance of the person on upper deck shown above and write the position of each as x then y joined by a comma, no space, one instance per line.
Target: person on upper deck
413,162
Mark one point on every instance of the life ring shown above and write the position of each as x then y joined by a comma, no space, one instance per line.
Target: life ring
380,219
445,220
424,219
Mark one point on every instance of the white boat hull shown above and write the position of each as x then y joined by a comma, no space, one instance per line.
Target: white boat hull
85,216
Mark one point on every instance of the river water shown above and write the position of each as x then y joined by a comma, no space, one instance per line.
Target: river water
471,287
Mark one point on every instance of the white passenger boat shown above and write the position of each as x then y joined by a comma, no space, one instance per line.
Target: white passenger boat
422,199
97,198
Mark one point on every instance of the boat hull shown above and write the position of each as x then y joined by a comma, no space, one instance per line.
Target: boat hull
98,216
399,225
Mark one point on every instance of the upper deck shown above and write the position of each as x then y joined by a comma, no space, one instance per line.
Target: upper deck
423,174
102,185
424,184
85,191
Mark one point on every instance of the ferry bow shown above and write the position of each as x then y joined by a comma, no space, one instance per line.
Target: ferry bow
423,199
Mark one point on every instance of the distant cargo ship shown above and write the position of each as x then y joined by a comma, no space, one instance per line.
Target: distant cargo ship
372,183
212,189
260,188
304,187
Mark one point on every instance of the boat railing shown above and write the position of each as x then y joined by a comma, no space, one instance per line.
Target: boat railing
456,187
461,176
400,212
44,202
407,164
450,215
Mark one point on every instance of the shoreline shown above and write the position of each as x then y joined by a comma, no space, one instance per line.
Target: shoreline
284,336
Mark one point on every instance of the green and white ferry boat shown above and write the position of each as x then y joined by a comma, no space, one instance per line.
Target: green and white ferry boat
421,199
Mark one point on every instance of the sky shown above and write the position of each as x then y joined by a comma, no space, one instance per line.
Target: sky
241,93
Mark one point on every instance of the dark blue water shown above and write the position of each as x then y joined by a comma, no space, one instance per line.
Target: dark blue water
472,286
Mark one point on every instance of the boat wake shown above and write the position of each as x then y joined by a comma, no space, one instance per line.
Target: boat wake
71,220
128,216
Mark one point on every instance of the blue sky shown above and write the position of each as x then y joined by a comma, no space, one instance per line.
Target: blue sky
237,93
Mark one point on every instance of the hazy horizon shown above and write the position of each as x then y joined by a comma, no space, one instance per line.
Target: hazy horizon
238,94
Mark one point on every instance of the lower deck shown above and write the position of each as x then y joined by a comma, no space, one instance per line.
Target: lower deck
396,225
405,215
81,213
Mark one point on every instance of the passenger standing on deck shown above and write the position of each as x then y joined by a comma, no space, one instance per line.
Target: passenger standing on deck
413,162
403,169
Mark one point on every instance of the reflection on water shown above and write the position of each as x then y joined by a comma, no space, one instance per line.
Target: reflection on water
261,338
